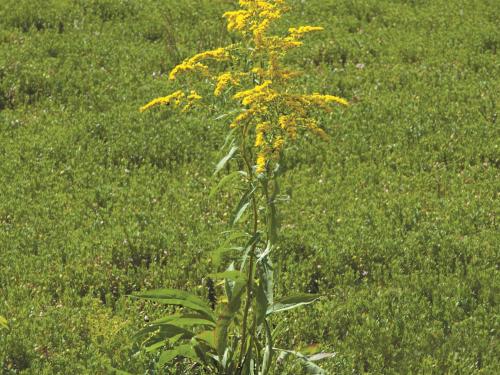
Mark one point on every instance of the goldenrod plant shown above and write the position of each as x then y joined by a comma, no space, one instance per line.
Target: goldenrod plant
235,335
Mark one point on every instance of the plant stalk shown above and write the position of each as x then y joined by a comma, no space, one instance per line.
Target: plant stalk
250,280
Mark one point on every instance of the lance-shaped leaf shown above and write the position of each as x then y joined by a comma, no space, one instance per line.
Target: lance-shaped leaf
178,297
292,302
232,275
115,371
226,316
228,247
184,320
156,333
184,350
267,357
228,284
157,345
264,290
226,158
242,205
208,337
252,242
307,362
224,181
3,322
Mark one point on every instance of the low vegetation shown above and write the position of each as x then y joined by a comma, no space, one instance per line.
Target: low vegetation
394,221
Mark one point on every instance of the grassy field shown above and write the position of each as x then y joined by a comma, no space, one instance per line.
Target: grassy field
394,220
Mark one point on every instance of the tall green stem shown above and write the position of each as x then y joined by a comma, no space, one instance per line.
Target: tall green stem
250,280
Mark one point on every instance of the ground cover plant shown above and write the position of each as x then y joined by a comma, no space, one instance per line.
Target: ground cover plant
393,220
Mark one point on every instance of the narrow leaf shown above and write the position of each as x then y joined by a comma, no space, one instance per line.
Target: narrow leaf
253,241
225,159
233,275
3,323
183,320
185,350
309,367
115,371
291,302
226,316
224,181
170,341
242,205
208,337
320,356
268,350
227,247
177,297
155,334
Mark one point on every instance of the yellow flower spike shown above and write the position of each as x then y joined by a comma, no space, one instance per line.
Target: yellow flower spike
260,132
289,124
185,67
245,93
193,63
259,32
223,81
300,31
193,95
313,126
261,163
259,139
165,100
242,117
325,99
237,20
256,93
216,54
278,144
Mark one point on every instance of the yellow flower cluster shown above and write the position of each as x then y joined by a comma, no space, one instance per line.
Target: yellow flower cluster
224,80
243,117
258,94
323,100
255,18
271,112
176,98
194,64
298,32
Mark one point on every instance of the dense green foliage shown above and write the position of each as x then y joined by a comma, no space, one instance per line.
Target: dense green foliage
394,220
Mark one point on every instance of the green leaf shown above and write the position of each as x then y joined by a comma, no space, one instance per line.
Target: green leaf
226,316
156,333
242,205
178,297
266,252
264,290
115,371
233,275
291,302
228,284
225,159
320,356
227,247
3,323
268,350
170,341
253,241
208,337
184,320
185,350
307,364
224,181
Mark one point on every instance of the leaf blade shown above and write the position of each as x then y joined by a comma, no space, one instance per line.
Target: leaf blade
292,302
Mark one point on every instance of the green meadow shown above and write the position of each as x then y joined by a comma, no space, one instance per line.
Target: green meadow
394,221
